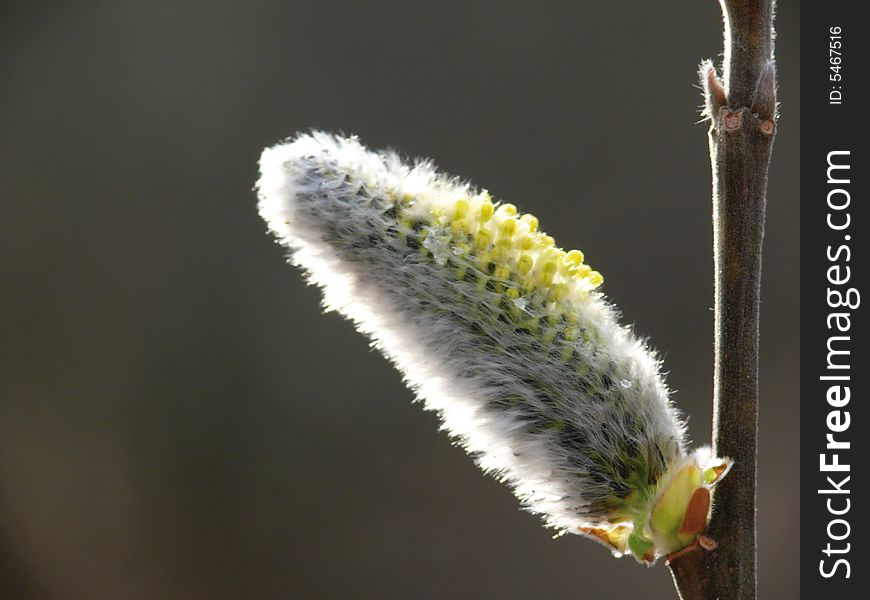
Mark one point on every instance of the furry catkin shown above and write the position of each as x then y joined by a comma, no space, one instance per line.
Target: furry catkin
500,332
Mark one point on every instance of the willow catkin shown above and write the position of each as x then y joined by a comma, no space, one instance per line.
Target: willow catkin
500,332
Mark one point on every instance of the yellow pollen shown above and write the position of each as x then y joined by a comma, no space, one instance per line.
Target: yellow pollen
560,292
483,239
553,255
521,258
524,264
545,277
531,221
581,271
574,257
485,211
508,228
525,242
460,209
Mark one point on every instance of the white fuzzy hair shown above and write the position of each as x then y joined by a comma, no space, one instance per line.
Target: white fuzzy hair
574,437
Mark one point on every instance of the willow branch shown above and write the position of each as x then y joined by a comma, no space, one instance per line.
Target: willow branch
742,113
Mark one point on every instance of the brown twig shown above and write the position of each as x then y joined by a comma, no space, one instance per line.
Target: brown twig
742,113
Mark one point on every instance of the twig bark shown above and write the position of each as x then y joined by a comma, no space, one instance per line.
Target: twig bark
742,113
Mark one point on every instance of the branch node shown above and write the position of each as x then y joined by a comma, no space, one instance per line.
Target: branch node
732,120
707,543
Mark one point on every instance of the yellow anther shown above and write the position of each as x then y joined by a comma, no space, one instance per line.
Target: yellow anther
545,276
531,221
460,227
525,242
550,267
574,258
548,241
581,271
460,209
560,292
512,293
570,334
508,227
553,255
527,284
595,278
525,264
485,212
505,245
483,239
502,272
507,210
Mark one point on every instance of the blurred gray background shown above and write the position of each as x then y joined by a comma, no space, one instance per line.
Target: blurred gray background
178,420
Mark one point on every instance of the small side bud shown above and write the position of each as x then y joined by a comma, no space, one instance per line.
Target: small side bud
764,98
714,92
